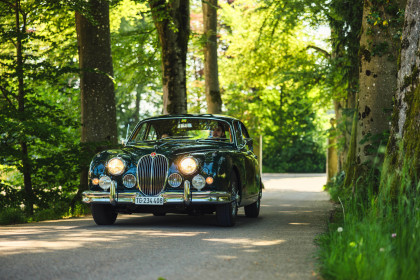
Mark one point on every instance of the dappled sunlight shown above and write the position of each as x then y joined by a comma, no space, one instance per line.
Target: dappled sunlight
21,239
246,242
287,182
300,224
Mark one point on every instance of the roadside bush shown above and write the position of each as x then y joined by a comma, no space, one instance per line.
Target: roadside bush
9,216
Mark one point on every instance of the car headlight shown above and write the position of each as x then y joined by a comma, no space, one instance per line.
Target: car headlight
129,181
188,165
116,166
175,180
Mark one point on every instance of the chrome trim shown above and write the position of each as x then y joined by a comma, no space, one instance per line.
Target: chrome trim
113,193
152,173
204,197
187,192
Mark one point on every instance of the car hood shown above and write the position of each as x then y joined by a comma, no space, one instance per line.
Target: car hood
169,149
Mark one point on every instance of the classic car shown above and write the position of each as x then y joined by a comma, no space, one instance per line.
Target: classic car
192,164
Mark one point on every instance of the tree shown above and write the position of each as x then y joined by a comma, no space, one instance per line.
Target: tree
211,72
345,20
36,126
99,126
379,44
172,21
275,84
402,161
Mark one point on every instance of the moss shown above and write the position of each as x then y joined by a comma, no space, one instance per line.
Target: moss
402,163
351,164
411,131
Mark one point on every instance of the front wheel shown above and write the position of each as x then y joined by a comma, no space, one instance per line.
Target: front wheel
253,210
103,214
226,213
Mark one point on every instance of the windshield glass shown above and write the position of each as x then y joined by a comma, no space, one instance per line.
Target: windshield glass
186,128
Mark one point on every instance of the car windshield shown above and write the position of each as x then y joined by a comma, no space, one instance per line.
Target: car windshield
183,128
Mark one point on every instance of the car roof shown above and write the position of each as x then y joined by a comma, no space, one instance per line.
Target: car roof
207,116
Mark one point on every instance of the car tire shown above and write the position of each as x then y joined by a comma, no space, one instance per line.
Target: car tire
253,210
226,213
103,214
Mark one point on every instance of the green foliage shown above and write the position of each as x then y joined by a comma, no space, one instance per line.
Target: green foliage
137,64
373,235
39,104
275,83
9,216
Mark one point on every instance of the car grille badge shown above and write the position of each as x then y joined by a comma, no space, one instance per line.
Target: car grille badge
153,154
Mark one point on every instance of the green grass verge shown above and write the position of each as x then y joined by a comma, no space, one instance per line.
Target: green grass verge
372,236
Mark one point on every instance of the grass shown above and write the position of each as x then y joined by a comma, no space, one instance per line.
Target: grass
372,236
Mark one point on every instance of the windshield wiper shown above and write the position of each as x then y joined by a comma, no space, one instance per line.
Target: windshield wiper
211,139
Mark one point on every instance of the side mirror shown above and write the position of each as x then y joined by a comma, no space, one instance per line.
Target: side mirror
250,143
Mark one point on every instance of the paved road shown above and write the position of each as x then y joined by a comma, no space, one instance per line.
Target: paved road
277,245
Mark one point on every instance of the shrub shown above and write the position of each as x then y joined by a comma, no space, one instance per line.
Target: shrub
9,216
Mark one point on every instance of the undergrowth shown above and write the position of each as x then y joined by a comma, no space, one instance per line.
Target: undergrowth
372,235
9,216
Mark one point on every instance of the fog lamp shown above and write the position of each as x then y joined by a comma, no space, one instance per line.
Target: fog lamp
105,182
198,182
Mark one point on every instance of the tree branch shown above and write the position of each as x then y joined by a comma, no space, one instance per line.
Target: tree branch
324,52
5,92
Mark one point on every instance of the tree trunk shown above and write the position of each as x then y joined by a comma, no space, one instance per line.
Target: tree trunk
402,161
98,115
211,72
377,77
332,155
26,163
172,21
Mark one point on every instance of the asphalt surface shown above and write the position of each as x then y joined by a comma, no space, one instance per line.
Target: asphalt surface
277,245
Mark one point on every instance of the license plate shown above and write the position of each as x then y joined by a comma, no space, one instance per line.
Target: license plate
152,200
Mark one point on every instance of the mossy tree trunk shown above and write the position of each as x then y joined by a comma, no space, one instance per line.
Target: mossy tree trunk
345,24
379,44
211,72
98,112
172,21
402,161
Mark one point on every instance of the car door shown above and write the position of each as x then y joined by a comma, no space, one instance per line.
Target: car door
251,163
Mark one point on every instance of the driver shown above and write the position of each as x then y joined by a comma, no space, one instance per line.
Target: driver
218,132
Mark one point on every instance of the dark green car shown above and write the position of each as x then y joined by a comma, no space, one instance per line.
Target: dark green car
193,164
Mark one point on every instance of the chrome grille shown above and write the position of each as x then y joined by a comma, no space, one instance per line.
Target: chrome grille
151,173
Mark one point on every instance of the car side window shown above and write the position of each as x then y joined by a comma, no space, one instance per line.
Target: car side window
152,133
140,133
238,133
244,131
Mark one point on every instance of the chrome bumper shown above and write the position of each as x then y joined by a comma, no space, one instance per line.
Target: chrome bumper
185,197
